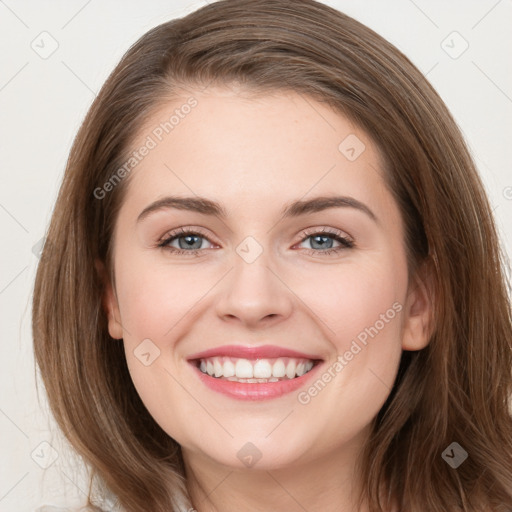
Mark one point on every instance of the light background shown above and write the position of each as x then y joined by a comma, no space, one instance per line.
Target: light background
43,101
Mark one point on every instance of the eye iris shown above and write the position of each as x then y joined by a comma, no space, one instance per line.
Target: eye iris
189,244
323,244
194,241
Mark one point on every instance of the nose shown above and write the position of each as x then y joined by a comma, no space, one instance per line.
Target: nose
254,295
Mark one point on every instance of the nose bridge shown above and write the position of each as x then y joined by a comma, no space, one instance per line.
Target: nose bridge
252,291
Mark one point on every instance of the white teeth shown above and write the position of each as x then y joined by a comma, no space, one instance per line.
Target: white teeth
243,369
229,369
290,369
217,368
260,370
279,370
236,379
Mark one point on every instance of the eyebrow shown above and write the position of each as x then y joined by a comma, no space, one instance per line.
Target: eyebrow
295,209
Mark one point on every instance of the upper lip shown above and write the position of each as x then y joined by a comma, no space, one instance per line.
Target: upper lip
252,352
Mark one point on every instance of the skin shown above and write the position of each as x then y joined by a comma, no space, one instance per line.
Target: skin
255,155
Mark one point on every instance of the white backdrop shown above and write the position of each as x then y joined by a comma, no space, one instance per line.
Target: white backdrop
55,55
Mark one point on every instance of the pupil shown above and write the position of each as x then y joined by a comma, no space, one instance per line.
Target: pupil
321,241
322,244
190,242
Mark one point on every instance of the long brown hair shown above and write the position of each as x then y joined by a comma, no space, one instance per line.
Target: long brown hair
457,389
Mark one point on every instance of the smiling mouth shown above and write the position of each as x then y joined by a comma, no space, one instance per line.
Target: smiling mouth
254,371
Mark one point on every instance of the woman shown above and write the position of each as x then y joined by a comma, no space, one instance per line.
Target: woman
272,279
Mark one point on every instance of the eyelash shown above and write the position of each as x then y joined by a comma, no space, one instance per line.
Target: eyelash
346,243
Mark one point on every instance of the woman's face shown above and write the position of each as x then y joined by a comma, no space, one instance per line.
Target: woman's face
257,240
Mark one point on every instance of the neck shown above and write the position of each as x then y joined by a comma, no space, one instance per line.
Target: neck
329,482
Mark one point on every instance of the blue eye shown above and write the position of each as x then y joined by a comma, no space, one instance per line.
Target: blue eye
322,242
190,242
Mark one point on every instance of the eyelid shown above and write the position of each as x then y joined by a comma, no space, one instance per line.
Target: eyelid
307,232
184,230
304,233
345,241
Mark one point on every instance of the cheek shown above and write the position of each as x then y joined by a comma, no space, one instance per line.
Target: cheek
356,296
153,299
364,319
361,312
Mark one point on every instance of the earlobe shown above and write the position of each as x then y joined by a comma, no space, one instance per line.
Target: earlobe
418,312
109,302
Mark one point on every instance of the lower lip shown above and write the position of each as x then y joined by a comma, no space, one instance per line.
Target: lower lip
255,390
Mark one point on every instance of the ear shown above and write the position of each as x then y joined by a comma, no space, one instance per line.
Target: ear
418,310
109,302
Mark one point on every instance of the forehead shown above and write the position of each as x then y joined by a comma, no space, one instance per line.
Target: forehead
252,150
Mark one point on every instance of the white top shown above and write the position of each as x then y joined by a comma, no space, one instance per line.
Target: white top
106,502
